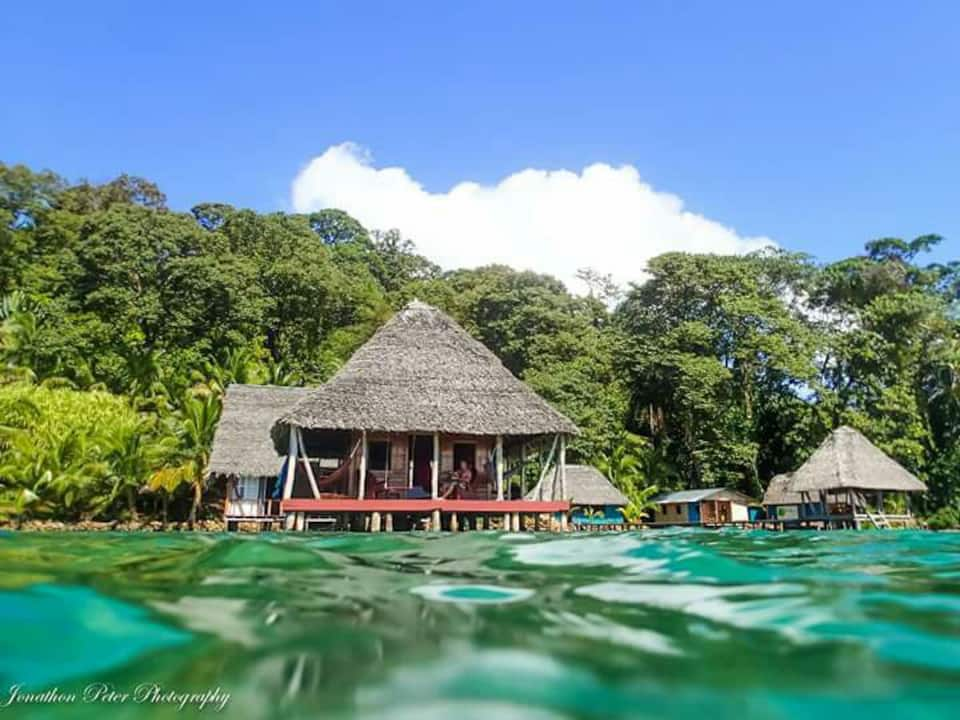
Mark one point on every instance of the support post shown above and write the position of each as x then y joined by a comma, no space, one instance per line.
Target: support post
546,469
523,469
454,522
515,522
361,492
306,464
388,522
499,453
291,465
435,521
563,467
435,468
375,522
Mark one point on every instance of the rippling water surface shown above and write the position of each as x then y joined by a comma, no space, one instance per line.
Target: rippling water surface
655,624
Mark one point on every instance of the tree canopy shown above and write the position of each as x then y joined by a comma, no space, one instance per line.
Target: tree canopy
710,370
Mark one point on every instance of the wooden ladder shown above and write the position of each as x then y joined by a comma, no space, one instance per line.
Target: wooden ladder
879,520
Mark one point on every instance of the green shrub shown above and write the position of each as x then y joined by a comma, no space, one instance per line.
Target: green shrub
946,518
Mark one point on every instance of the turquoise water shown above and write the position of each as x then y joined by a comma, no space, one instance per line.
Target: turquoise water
656,624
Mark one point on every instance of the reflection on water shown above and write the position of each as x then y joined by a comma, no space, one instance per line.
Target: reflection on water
653,624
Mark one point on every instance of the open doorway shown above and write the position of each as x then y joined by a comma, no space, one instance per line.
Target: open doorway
422,454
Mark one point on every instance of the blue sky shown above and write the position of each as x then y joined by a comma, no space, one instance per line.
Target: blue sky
819,125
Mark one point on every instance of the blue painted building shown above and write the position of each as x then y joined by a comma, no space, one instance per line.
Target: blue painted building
705,506
594,500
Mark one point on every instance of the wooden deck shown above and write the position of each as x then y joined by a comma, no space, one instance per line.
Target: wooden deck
339,505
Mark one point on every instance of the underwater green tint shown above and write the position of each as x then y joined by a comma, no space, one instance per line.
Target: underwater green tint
672,623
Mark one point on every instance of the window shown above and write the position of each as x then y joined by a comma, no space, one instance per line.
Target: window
378,455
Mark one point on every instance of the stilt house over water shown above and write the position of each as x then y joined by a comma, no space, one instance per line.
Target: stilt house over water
847,482
423,426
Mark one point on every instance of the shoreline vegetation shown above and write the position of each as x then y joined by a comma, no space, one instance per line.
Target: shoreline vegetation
122,322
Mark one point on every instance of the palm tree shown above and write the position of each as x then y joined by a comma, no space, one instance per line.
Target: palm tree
164,482
195,422
623,464
640,503
18,334
276,373
237,365
133,452
64,468
631,464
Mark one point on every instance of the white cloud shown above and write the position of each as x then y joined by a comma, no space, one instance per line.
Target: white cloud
553,221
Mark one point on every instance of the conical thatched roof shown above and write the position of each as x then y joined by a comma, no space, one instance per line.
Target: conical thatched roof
421,372
585,486
846,459
242,443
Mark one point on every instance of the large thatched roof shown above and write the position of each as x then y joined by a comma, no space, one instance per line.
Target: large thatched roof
242,443
421,372
585,486
846,459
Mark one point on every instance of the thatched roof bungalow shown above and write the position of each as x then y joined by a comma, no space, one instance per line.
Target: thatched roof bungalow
834,484
421,413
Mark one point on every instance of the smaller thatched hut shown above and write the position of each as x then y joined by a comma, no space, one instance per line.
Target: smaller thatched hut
594,499
243,454
780,503
786,506
848,477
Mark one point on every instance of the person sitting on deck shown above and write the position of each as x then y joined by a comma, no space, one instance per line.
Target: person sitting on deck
459,481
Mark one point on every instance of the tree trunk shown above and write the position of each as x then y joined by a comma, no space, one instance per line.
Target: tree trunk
197,497
165,502
132,504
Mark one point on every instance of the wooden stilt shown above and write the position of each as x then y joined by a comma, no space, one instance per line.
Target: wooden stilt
562,465
363,465
454,522
388,522
523,469
515,522
563,522
289,521
499,467
291,465
506,522
375,522
435,521
435,468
